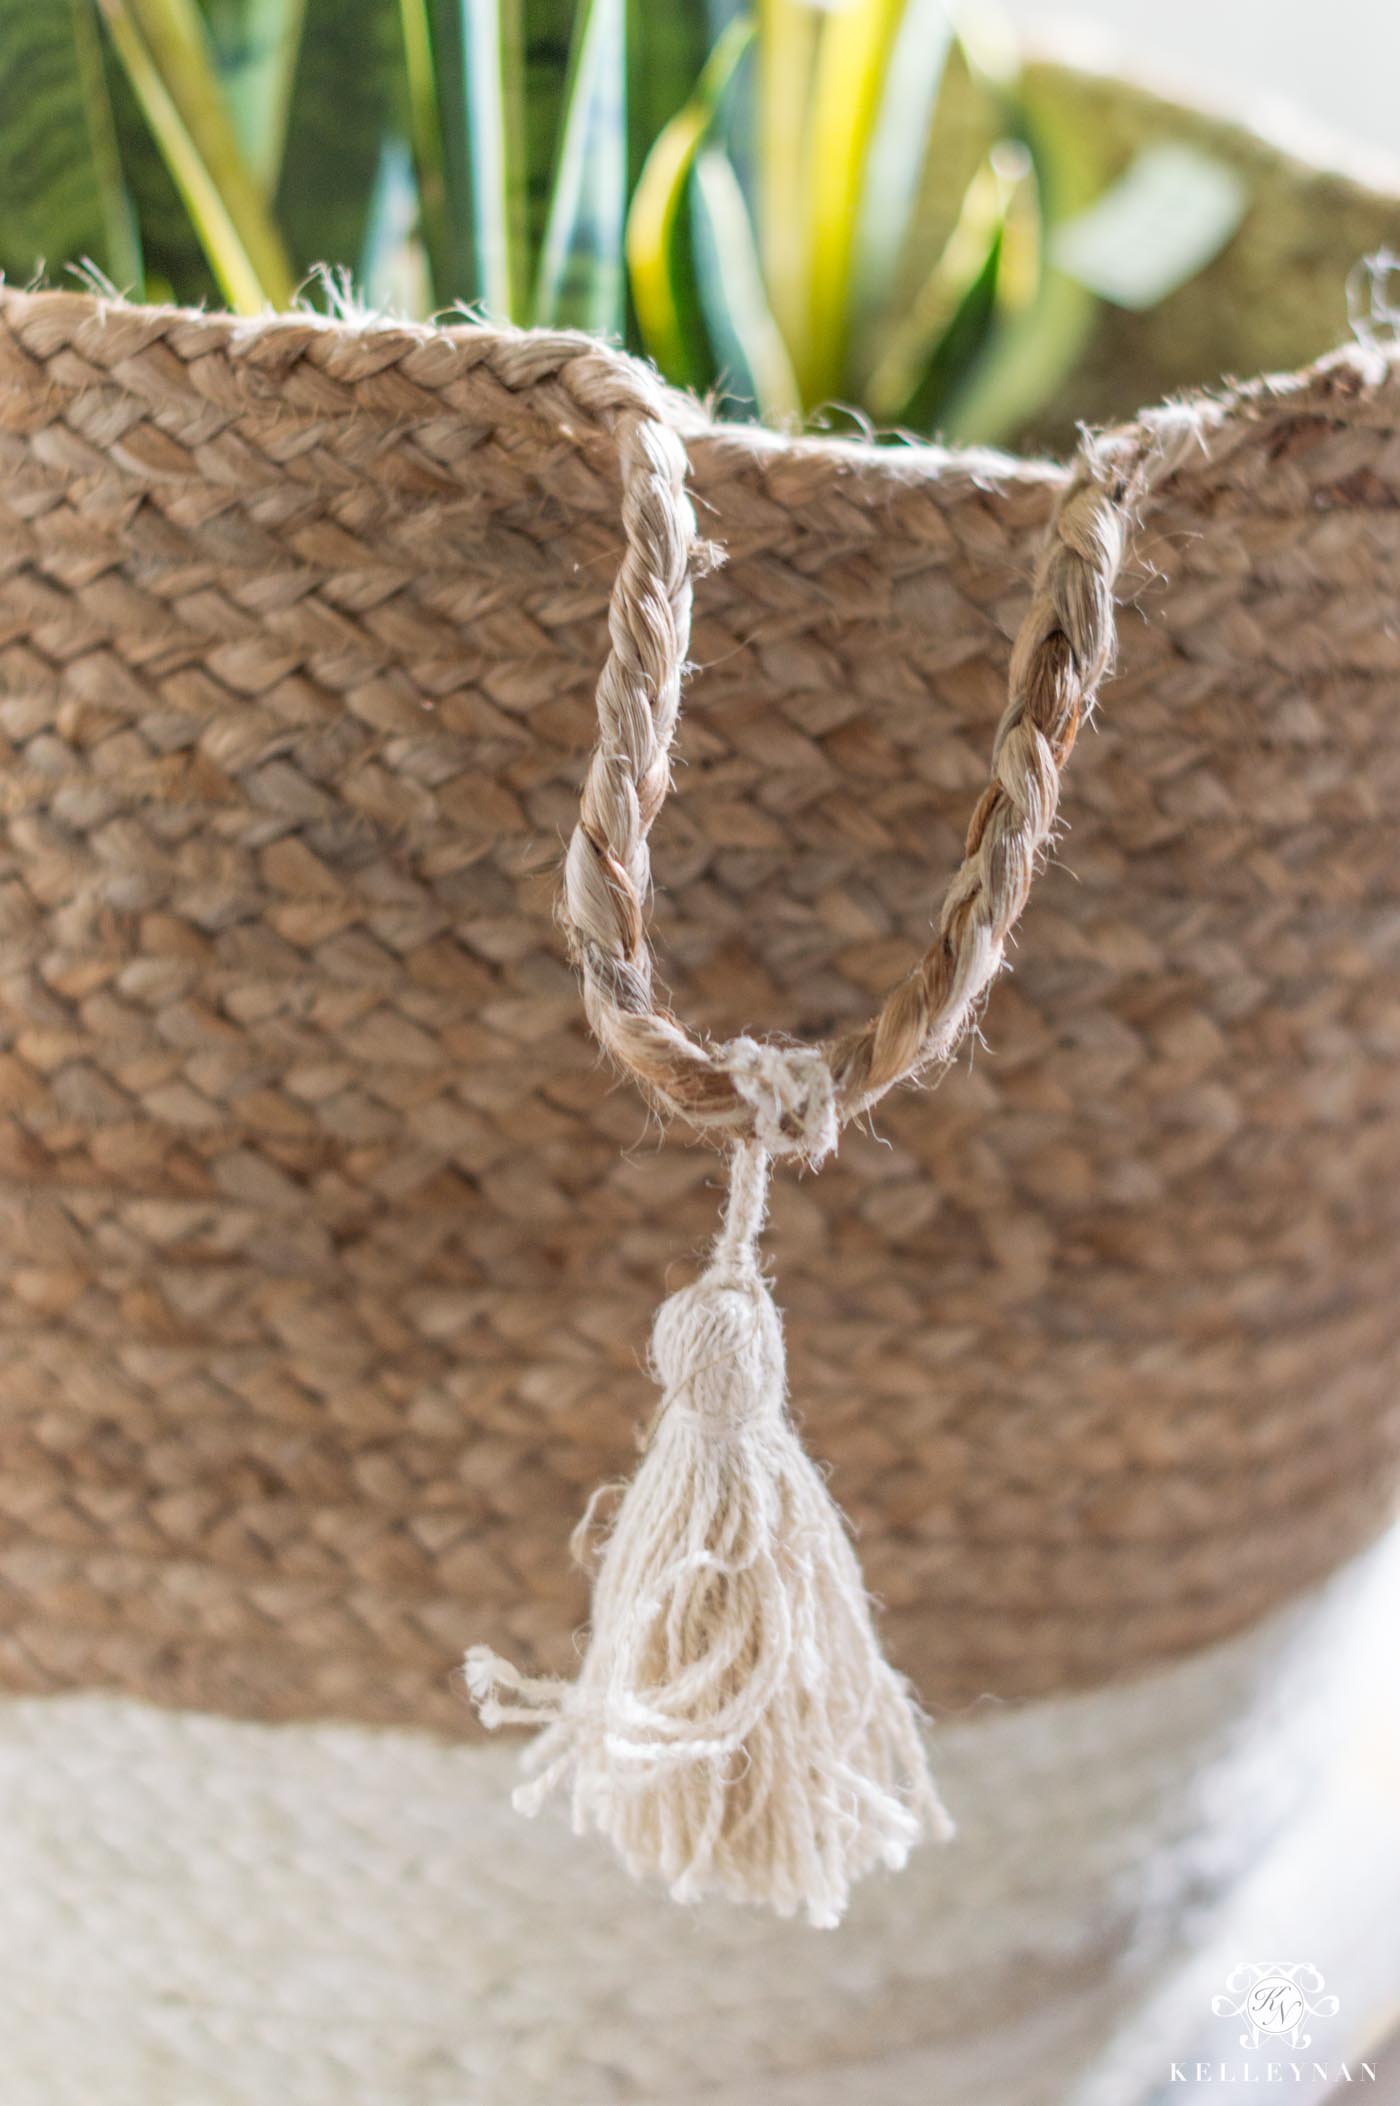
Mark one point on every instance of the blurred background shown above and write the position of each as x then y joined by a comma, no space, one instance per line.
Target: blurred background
1292,64
890,216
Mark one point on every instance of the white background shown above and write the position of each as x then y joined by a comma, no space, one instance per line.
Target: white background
1337,62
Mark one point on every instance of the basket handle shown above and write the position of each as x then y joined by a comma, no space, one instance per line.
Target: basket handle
794,1099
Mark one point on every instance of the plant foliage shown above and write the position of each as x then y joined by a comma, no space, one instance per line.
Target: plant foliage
798,206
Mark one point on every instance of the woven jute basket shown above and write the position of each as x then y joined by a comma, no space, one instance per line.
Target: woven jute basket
330,1246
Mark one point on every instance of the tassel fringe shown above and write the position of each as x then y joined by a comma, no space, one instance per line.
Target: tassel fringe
734,1727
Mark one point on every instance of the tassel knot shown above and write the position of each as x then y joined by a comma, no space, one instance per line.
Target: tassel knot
717,1350
734,1727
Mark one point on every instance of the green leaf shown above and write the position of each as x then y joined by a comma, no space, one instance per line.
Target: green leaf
748,344
787,54
165,52
62,192
1165,219
256,46
582,279
176,266
738,121
464,60
553,33
898,149
424,117
345,103
948,324
973,107
1031,352
659,256
668,43
492,111
957,346
393,272
852,57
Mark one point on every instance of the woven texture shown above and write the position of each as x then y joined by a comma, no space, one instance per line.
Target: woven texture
330,1916
330,1249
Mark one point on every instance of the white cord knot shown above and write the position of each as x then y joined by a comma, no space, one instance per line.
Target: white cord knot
792,1094
717,1350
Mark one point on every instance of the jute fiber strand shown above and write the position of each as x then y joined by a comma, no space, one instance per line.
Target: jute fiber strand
734,1726
331,1248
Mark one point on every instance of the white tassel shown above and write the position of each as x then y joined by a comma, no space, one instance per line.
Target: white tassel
734,1727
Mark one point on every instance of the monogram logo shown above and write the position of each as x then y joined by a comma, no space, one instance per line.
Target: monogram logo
1275,1998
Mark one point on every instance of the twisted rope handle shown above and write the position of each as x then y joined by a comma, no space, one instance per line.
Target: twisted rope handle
794,1099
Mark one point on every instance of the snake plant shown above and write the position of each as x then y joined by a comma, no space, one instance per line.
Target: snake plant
792,205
